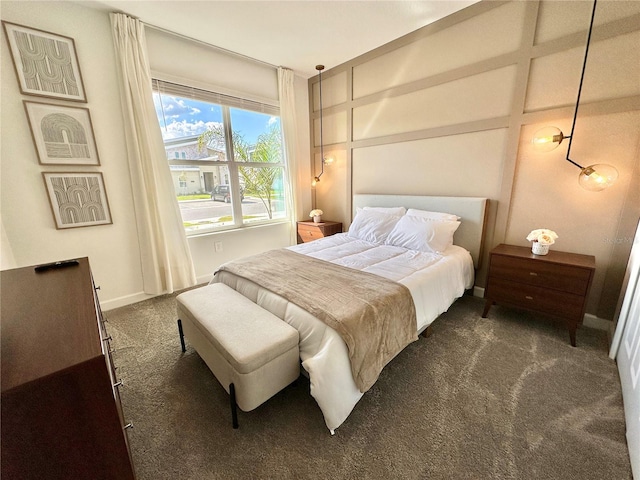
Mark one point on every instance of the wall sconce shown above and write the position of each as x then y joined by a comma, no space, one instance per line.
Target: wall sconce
325,160
594,177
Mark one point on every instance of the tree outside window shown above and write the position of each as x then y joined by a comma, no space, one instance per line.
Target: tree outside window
263,182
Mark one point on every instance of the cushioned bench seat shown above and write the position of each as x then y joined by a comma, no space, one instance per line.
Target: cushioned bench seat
251,352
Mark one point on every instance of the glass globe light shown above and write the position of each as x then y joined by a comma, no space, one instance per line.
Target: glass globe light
547,139
596,178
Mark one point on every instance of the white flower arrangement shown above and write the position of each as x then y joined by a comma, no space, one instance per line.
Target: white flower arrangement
543,236
315,213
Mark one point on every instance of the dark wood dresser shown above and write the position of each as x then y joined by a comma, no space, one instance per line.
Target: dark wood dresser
308,231
556,284
60,407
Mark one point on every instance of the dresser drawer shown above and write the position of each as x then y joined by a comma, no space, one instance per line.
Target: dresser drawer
545,300
565,278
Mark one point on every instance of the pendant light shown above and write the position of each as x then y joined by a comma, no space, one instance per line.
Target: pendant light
594,177
325,160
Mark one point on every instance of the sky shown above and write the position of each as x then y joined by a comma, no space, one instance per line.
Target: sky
184,117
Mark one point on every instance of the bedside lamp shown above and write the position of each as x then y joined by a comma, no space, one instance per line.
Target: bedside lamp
593,178
597,177
547,139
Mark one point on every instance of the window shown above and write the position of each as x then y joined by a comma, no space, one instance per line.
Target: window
225,156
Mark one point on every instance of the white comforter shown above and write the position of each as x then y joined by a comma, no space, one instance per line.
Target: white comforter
434,280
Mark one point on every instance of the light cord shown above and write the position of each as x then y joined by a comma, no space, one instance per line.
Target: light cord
584,67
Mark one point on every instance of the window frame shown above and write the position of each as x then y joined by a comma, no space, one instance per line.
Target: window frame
226,103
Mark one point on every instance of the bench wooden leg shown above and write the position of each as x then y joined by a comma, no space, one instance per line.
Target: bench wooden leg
184,349
234,407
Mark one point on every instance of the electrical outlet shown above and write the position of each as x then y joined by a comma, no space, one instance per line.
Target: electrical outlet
218,246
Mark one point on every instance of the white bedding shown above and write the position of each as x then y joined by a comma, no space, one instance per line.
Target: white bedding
434,280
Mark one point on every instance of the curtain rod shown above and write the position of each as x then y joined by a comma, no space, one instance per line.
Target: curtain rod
215,47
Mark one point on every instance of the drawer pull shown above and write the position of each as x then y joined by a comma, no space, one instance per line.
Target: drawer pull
528,297
533,274
128,425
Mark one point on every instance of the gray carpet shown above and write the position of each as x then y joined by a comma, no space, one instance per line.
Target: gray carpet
505,397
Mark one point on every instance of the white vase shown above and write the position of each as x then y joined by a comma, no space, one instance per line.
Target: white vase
539,249
317,219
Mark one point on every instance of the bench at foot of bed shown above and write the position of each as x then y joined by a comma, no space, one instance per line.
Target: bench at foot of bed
251,352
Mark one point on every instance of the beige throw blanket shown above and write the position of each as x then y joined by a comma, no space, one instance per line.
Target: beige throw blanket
375,317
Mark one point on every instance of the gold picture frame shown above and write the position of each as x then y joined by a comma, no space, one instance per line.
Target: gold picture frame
62,135
77,199
45,63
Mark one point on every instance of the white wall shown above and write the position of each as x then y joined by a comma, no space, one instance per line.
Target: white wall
26,214
450,110
29,233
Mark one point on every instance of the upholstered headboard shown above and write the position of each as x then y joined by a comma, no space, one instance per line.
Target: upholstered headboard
471,210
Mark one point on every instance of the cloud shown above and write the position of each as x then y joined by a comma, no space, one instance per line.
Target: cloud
185,129
175,107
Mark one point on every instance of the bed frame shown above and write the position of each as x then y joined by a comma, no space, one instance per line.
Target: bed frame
471,210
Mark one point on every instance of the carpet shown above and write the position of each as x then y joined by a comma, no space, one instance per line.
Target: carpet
504,397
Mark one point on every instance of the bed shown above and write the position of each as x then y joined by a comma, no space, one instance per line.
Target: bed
435,278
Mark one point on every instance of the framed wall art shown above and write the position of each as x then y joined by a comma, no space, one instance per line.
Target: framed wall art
77,199
62,135
46,64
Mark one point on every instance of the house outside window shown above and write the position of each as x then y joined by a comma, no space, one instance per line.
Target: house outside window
225,156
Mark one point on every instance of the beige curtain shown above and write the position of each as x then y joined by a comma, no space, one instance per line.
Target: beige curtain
290,134
164,251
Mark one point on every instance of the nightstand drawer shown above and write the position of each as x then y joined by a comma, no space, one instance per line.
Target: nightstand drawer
309,231
565,278
307,234
545,300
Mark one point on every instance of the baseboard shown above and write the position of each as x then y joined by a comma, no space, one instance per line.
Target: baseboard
591,321
107,305
204,279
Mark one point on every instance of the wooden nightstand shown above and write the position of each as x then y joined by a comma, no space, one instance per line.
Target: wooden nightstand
308,231
556,284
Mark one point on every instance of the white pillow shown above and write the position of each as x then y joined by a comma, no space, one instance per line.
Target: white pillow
391,210
423,234
372,226
432,215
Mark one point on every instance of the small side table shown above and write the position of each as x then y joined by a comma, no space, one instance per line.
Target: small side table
556,284
309,231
